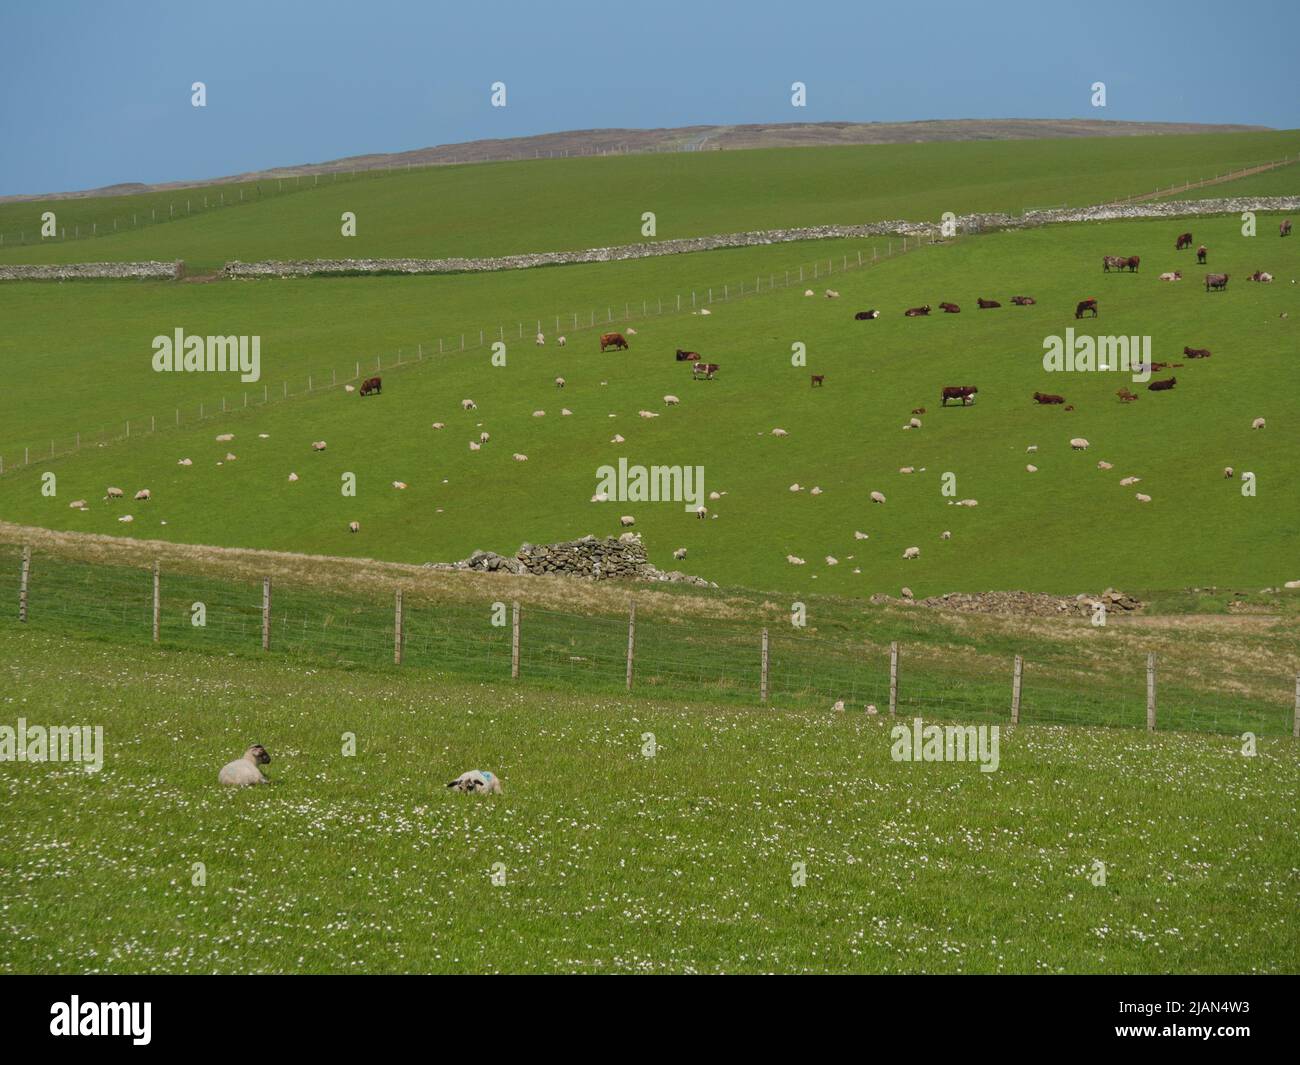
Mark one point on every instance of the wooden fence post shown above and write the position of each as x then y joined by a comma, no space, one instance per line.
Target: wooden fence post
514,643
1015,692
1151,692
22,586
762,676
266,613
1295,729
631,641
893,678
157,600
397,629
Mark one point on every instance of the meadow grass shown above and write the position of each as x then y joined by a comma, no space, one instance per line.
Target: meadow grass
554,204
612,861
1199,531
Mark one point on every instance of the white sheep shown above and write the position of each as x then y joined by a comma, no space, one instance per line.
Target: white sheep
318,445
565,412
1143,498
559,382
478,782
437,425
184,462
1227,471
1258,423
1104,466
1079,444
246,772
468,404
348,388
539,414
779,432
1125,482
600,497
627,521
815,490
617,438
561,341
483,438
113,493
859,535
831,560
541,340
354,526
1031,468
906,469
968,502
143,495
831,294
231,456
914,423
78,504
631,332
646,414
474,445
701,512
1031,448
877,497
126,518
706,311
794,560
225,438
809,292
679,554
399,485
292,477
671,401
945,535
715,495
912,552
796,487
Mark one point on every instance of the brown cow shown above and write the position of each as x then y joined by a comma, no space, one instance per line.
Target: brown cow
1023,301
1162,386
687,356
818,380
917,312
1184,241
613,340
1047,399
1284,229
918,410
1197,353
1090,304
1201,253
1125,396
1133,262
949,308
986,305
371,384
1216,282
965,393
1112,262
704,370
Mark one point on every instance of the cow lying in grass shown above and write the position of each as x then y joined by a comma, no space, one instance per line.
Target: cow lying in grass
1023,301
917,312
949,308
1047,399
866,316
1162,386
1197,353
687,356
987,305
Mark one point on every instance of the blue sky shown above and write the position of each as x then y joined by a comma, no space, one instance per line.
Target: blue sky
94,93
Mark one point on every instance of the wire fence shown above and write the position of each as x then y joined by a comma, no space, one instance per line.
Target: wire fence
588,320
1218,179
717,661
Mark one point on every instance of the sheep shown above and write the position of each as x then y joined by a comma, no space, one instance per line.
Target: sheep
348,388
701,512
561,341
617,438
318,445
559,382
794,560
600,497
630,331
1127,481
1031,468
354,526
627,521
477,782
839,705
184,462
831,294
646,414
483,438
679,554
126,518
293,477
945,535
796,487
706,311
1258,423
877,497
912,552
858,535
78,504
831,560
225,438
474,445
1227,472
143,495
565,412
468,404
113,493
1104,466
671,401
231,456
715,496
914,423
438,425
541,340
539,414
968,502
1079,444
906,469
1143,498
815,490
399,485
809,292
245,772
1031,448
779,432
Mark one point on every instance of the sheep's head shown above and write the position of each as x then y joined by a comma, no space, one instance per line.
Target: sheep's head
257,755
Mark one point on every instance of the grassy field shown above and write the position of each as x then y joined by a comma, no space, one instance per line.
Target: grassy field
1087,530
611,861
502,208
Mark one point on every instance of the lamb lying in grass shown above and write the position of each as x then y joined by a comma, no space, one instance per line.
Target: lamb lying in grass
477,781
244,772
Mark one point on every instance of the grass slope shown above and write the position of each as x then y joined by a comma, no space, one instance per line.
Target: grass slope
501,208
612,861
1066,528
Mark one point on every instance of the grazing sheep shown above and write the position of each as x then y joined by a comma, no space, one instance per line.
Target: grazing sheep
1227,471
126,518
519,458
945,535
914,423
617,438
1143,498
293,477
831,560
354,526
184,462
559,382
1079,444
1031,468
859,535
679,554
1258,423
715,495
565,412
796,487
912,552
244,772
1104,466
468,404
113,493
671,401
779,432
794,560
483,438
561,341
78,504
831,294
816,490
143,495
809,292
1031,448
877,497
541,340
477,782
701,512
399,485
627,521
225,438
318,445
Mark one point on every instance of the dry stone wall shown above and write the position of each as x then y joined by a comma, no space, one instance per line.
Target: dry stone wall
590,557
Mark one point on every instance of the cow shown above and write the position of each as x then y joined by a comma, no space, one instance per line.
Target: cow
1125,396
1090,304
1112,262
866,316
1261,275
371,384
1047,399
1216,282
965,393
1284,229
986,305
1023,301
917,312
918,410
1172,275
818,380
1184,241
704,370
1162,386
1132,263
613,340
687,356
1201,253
1197,353
949,308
